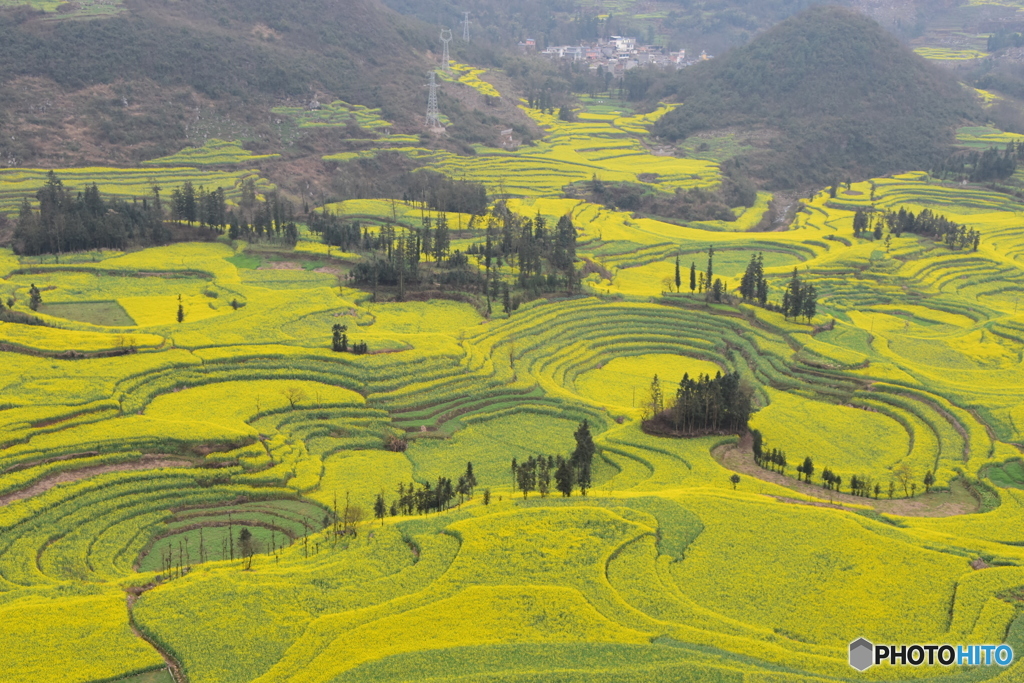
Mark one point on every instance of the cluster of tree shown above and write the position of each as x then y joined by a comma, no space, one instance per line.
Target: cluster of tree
395,262
702,405
83,221
753,285
35,297
934,226
864,225
542,100
861,486
580,78
636,84
337,232
545,258
702,282
271,220
799,299
428,498
980,167
441,193
340,342
773,459
69,222
334,230
694,204
535,474
245,546
9,315
198,206
288,234
1003,39
831,480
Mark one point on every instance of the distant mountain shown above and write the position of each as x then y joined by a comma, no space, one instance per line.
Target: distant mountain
711,25
834,95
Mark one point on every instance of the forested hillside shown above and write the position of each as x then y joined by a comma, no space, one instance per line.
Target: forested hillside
147,81
837,96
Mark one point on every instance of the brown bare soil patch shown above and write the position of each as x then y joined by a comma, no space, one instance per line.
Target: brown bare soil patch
281,265
264,32
956,501
147,462
330,270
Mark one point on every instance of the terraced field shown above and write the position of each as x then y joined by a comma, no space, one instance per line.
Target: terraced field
124,183
135,449
213,153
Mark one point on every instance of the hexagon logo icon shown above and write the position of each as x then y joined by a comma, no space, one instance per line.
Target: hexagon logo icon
861,654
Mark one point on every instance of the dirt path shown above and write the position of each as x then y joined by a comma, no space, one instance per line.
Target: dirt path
956,501
172,664
147,462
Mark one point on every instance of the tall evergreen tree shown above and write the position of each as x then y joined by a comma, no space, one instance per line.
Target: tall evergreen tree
709,277
380,508
809,305
339,340
583,456
657,400
470,478
36,298
860,222
564,480
748,286
762,282
442,238
543,476
717,289
808,468
693,277
792,300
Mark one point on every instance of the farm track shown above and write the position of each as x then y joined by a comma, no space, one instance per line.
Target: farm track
173,666
739,458
147,462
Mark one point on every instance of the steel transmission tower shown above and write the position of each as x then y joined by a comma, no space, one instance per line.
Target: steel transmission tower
433,115
465,27
446,62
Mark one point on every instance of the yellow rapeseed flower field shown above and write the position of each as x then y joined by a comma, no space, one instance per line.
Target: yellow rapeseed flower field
241,416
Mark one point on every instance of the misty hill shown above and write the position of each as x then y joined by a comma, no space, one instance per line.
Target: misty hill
835,95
